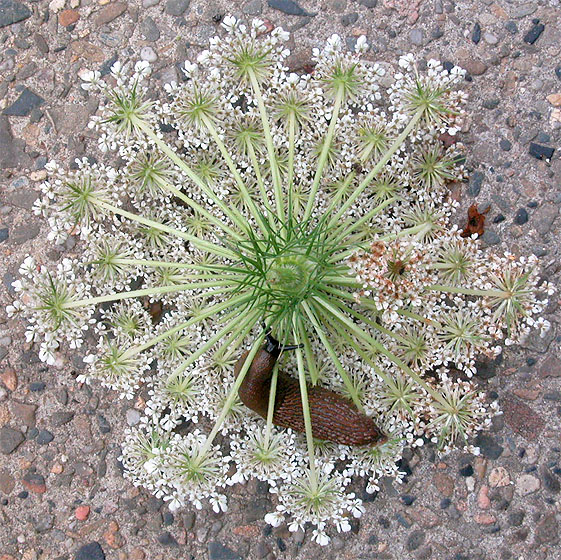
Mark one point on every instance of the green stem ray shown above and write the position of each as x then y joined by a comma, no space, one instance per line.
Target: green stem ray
259,177
200,243
305,403
275,173
235,173
231,333
324,153
234,302
232,395
378,167
188,266
468,291
351,389
382,349
149,292
198,208
235,216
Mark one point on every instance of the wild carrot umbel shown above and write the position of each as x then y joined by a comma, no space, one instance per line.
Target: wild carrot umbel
316,204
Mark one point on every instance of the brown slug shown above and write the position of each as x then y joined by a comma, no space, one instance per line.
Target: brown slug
334,418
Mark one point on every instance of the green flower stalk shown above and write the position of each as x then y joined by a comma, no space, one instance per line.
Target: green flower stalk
316,205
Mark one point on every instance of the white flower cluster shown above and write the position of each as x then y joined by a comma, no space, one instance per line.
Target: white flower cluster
316,204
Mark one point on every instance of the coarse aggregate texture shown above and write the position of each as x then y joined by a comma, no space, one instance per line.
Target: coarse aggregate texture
59,442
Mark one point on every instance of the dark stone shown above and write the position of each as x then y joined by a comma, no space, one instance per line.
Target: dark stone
558,72
91,551
24,104
491,237
415,540
37,386
149,29
521,217
177,7
542,137
532,204
4,234
10,439
511,27
550,481
168,518
475,182
516,518
541,152
103,424
349,19
466,471
505,145
487,369
44,437
167,539
287,7
534,33
491,103
218,551
489,447
554,396
368,3
281,544
407,499
445,503
498,219
403,521
105,68
12,12
476,33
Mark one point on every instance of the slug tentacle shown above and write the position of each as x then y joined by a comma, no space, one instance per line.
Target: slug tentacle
334,418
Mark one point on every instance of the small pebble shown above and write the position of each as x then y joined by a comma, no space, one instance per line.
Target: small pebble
148,54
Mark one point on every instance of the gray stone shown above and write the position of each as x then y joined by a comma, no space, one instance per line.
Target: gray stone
167,539
41,43
416,36
415,540
45,437
10,439
12,153
287,7
62,417
24,413
44,523
349,19
133,417
544,218
475,182
491,237
110,12
149,29
253,8
550,481
4,234
490,38
12,12
518,12
91,551
218,551
177,7
24,104
150,3
23,233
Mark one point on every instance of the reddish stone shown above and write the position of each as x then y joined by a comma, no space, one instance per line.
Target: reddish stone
110,12
34,483
10,379
521,418
68,17
483,500
82,513
484,518
112,536
444,484
247,531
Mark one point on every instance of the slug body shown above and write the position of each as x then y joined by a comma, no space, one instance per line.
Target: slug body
334,418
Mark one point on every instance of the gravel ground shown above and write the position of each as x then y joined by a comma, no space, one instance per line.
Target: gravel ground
62,495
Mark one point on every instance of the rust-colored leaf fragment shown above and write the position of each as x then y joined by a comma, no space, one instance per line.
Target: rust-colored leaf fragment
475,222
